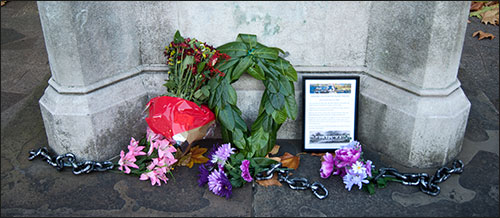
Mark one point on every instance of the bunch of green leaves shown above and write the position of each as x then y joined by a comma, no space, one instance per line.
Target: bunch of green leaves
379,183
277,102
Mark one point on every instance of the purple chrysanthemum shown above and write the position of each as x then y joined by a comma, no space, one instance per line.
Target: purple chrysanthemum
245,172
203,176
222,153
219,184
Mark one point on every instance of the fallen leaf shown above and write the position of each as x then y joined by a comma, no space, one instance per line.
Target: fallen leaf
197,155
3,3
275,150
476,6
483,35
270,182
186,160
290,161
484,9
274,158
490,17
491,3
468,21
317,154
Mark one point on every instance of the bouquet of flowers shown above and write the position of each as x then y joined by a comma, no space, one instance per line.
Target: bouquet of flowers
178,118
348,163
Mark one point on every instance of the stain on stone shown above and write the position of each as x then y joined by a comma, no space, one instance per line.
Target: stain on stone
310,212
10,35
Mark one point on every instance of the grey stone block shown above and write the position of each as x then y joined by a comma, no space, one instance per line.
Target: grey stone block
420,50
416,131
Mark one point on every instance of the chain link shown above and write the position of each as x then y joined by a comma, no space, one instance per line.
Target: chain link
69,160
293,183
428,185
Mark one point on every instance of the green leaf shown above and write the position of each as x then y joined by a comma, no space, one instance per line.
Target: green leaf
266,53
285,86
381,183
205,90
285,68
263,162
198,93
236,183
187,61
291,106
259,139
234,49
240,123
200,67
266,70
277,100
256,72
178,38
241,68
280,116
248,39
484,9
270,87
370,187
226,65
238,139
233,97
226,117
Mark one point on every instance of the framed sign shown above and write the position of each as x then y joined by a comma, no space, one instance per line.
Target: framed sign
330,112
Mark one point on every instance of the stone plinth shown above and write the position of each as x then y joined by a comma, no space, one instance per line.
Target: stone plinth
107,61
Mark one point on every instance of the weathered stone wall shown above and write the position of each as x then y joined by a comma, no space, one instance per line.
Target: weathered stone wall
107,60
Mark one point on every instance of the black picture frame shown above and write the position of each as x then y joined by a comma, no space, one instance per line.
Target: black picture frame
336,97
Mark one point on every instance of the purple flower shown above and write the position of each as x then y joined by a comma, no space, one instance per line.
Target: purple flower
219,184
346,157
326,165
245,172
203,176
353,144
368,167
222,153
354,179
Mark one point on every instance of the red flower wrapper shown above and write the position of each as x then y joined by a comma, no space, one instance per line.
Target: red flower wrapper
179,119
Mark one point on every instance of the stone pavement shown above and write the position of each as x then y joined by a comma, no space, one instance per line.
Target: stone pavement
33,188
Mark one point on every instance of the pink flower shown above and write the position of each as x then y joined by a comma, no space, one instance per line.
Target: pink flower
157,168
135,148
156,176
165,149
127,161
152,136
245,172
326,165
347,156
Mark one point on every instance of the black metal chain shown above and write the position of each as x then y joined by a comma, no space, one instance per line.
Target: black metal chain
69,160
294,183
427,184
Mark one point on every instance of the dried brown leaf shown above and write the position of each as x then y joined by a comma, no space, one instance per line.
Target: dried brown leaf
317,154
275,150
490,16
3,3
468,21
269,182
491,3
290,161
483,35
475,6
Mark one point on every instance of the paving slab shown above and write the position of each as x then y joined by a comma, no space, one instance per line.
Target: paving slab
33,188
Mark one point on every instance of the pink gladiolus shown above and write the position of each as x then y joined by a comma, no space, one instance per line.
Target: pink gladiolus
127,161
135,148
326,165
152,136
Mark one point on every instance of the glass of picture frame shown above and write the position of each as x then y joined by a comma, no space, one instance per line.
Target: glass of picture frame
330,112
